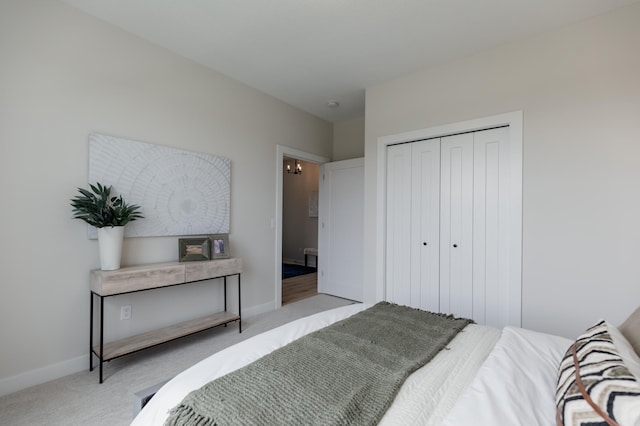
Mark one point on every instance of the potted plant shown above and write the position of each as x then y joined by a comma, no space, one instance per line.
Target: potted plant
109,214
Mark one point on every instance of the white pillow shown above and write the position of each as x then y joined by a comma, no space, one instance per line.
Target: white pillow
630,329
626,351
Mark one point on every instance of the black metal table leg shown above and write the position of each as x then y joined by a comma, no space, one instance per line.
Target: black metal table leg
225,296
101,335
239,307
90,331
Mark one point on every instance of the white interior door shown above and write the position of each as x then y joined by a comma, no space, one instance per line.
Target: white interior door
456,225
341,229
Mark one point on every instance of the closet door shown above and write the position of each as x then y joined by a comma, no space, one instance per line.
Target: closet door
413,209
425,228
398,233
491,252
456,225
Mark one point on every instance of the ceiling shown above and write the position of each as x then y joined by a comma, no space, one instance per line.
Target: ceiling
311,52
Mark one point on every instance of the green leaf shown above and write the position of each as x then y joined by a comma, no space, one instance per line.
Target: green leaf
99,208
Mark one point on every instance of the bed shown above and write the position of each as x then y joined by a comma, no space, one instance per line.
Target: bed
485,376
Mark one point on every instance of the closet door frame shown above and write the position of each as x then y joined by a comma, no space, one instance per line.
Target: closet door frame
515,122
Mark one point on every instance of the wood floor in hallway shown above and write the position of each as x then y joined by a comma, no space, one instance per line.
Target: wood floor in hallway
300,287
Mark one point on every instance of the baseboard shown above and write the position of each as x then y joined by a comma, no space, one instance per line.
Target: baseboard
257,310
42,375
293,261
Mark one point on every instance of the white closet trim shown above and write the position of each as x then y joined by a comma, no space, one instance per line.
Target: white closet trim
515,121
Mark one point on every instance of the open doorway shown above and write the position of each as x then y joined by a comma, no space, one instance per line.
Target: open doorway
299,229
295,256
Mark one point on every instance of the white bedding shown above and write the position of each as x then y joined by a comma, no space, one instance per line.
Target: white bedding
429,393
432,395
516,384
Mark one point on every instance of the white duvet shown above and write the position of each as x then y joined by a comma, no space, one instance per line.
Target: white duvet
456,388
516,384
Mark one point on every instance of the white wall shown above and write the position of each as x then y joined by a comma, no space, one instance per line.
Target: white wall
579,90
298,229
348,139
65,74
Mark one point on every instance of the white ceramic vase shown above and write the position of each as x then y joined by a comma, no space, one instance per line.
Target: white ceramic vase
110,244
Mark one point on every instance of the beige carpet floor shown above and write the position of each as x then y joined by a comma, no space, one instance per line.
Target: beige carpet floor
79,399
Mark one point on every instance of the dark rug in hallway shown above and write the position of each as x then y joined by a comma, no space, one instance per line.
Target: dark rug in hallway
289,270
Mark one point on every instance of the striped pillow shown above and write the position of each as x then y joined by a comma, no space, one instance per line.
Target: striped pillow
594,385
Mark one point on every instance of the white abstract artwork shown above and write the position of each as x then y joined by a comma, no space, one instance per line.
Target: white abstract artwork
313,204
179,192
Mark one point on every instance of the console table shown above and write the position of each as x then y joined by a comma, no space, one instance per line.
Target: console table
153,276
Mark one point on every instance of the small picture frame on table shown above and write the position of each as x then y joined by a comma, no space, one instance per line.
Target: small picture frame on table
194,249
219,246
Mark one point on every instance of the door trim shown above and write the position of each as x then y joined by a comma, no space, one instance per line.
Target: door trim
281,152
515,122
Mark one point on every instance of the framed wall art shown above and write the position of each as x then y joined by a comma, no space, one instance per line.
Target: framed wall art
313,204
194,249
219,246
180,192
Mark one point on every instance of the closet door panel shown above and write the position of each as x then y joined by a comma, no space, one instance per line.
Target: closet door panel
456,225
398,233
425,229
490,228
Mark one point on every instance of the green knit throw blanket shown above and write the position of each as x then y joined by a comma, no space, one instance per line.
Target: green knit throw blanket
345,374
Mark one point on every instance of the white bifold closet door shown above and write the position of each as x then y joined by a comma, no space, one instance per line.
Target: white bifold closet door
447,226
496,293
398,239
417,162
456,225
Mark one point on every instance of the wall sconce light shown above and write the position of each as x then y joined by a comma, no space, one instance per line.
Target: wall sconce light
297,167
